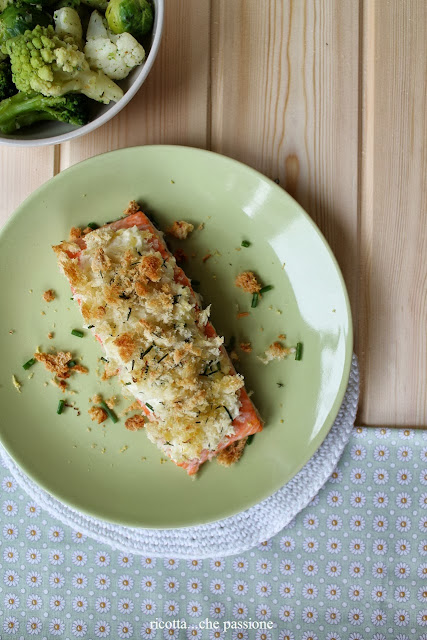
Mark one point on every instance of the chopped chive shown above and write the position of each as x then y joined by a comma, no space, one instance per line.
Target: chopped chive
246,243
133,364
123,296
60,408
269,287
111,413
229,414
77,333
149,406
71,298
280,384
144,353
298,351
91,326
104,359
254,300
130,311
93,225
250,439
29,363
71,363
127,383
163,357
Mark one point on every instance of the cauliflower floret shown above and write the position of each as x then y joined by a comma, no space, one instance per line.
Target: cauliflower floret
115,55
68,24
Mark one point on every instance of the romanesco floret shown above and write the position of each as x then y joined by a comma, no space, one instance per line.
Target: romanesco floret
44,63
115,55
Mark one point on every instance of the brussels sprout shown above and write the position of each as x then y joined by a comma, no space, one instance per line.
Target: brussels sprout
18,18
100,5
133,16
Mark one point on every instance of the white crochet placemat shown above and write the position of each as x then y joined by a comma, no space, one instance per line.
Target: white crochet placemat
232,535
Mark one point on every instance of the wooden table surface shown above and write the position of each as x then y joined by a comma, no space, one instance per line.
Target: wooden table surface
329,96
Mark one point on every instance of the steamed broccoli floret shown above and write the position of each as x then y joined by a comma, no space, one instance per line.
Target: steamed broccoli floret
115,55
7,88
131,16
44,63
18,18
22,110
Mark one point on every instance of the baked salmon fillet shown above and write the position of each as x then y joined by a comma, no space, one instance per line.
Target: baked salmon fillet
141,307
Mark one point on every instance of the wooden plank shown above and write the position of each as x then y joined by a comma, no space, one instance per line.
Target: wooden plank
172,105
22,171
393,304
285,101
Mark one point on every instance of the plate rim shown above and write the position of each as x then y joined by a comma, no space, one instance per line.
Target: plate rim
349,342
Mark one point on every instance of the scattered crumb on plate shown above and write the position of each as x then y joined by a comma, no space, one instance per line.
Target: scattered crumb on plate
49,295
247,281
97,414
180,229
134,423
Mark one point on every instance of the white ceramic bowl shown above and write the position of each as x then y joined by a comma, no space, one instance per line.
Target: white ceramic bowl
56,132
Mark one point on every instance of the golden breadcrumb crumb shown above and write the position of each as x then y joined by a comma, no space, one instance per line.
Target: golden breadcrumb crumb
282,336
75,233
123,449
232,453
248,282
97,414
276,351
12,331
180,229
109,373
111,402
242,314
61,384
97,398
79,368
56,362
50,335
133,207
16,384
151,267
201,226
246,347
134,423
49,295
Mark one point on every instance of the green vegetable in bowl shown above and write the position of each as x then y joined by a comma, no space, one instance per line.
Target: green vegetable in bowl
115,55
22,110
7,88
18,18
68,25
132,16
44,63
101,5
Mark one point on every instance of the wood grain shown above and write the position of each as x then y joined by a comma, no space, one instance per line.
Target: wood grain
285,101
393,214
172,105
21,172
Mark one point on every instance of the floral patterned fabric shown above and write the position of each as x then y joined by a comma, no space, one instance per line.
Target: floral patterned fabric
351,566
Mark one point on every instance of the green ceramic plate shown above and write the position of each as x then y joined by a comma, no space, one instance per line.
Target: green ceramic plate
80,462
